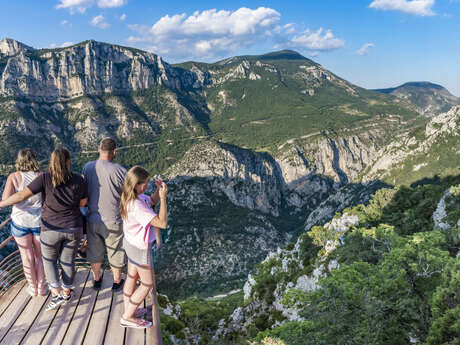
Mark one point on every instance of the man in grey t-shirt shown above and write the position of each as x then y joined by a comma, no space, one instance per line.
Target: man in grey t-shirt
105,231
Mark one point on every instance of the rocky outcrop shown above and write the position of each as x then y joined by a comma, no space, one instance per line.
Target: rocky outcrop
440,215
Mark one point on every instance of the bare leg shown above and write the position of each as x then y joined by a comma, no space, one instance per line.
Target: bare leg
130,284
145,274
116,271
27,256
39,264
96,269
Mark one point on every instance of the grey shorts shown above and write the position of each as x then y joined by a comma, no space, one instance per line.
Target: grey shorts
139,257
100,237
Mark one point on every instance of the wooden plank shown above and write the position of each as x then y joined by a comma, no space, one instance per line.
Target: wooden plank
10,295
13,311
58,328
115,334
40,325
100,316
79,323
24,321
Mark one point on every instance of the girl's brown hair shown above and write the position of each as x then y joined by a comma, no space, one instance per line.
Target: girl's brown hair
135,176
27,161
59,166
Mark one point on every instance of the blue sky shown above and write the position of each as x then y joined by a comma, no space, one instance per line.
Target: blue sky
372,43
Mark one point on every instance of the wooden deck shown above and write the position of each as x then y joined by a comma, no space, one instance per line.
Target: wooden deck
90,318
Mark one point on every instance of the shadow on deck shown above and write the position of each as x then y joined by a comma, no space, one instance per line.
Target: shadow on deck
90,317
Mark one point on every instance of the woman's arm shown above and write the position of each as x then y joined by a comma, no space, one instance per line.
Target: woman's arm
155,197
83,202
16,198
161,221
10,187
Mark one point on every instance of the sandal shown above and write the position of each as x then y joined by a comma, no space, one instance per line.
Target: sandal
140,324
31,290
140,312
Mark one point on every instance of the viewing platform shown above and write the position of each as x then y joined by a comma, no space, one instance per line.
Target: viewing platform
91,317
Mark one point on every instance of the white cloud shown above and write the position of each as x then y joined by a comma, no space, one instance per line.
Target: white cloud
111,3
208,33
365,49
319,40
99,22
63,45
289,28
82,5
212,33
123,17
66,23
414,7
75,5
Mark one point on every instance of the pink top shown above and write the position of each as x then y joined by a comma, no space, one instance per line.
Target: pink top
136,225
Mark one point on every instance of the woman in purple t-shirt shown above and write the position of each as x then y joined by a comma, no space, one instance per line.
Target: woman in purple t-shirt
62,226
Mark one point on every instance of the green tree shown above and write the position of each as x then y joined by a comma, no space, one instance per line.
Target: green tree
445,325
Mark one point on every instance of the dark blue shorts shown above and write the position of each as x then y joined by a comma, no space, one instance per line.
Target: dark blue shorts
19,231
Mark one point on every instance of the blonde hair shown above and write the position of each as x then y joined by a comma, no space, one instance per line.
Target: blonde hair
27,161
59,167
135,176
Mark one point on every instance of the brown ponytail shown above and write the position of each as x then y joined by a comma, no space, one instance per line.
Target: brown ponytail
59,167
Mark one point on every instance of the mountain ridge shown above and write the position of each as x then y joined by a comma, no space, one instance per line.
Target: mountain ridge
428,98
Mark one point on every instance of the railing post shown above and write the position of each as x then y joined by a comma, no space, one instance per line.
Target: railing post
156,328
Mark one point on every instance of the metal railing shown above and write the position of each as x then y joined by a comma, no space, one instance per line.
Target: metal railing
11,269
11,266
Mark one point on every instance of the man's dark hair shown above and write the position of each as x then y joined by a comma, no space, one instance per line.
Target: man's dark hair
107,145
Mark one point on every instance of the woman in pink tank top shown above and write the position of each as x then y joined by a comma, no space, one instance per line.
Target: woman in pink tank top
26,220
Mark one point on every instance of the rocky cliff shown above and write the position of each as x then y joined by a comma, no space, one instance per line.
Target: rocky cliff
88,68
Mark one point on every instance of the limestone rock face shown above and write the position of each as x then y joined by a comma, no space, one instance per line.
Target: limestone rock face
89,68
9,47
248,179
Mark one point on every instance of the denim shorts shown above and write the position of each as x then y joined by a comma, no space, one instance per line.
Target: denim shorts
137,256
19,231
